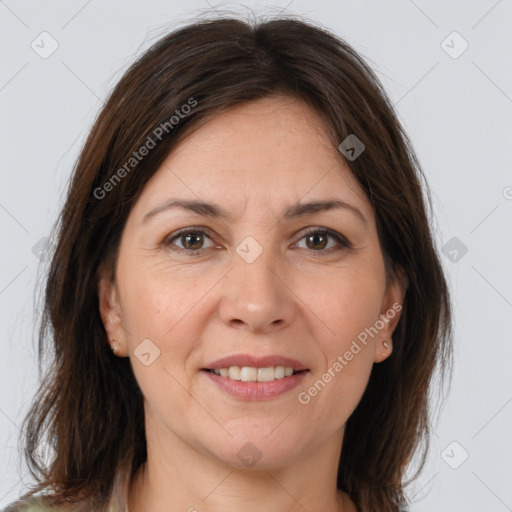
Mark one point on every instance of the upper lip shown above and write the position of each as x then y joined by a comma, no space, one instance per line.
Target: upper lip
255,362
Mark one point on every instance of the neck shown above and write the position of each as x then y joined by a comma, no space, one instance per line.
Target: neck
188,481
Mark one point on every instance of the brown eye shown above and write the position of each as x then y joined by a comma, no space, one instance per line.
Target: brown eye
192,241
188,241
317,240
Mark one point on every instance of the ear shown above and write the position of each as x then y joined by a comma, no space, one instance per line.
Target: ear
390,314
111,315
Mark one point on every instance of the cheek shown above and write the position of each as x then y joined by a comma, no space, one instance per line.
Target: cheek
347,304
163,307
156,316
156,297
340,383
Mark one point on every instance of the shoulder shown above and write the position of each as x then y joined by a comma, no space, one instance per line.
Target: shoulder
34,504
42,503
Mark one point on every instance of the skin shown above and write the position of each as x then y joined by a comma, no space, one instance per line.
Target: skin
255,161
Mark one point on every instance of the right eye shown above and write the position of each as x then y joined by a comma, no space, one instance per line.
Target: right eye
191,237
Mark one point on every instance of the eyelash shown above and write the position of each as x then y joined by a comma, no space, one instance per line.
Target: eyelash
345,244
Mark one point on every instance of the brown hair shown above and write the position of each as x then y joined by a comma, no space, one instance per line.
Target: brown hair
89,404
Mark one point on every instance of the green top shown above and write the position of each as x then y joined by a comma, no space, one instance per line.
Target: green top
33,505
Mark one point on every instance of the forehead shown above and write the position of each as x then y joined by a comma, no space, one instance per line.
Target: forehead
267,150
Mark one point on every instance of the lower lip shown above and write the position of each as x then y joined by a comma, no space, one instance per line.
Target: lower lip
256,390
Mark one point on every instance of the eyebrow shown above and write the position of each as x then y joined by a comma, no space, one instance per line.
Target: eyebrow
213,210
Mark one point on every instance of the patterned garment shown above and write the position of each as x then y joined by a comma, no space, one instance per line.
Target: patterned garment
35,504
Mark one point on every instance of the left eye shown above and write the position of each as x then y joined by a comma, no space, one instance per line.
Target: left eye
316,240
191,238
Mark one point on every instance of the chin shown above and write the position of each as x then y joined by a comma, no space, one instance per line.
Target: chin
258,452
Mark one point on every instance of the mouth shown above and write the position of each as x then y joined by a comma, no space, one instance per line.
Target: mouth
253,383
249,377
254,374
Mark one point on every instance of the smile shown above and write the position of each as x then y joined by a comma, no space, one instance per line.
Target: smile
253,374
238,387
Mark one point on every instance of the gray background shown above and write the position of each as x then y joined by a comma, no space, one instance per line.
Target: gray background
456,108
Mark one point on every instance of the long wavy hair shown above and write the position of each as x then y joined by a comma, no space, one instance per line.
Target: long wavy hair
89,407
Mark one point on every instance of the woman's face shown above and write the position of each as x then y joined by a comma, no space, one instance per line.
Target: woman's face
245,279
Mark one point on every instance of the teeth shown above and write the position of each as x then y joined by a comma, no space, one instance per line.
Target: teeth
279,372
234,373
251,374
248,374
266,374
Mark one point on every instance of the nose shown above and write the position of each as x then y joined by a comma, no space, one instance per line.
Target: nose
256,296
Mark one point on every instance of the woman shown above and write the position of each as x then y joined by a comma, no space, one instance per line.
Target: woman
246,228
